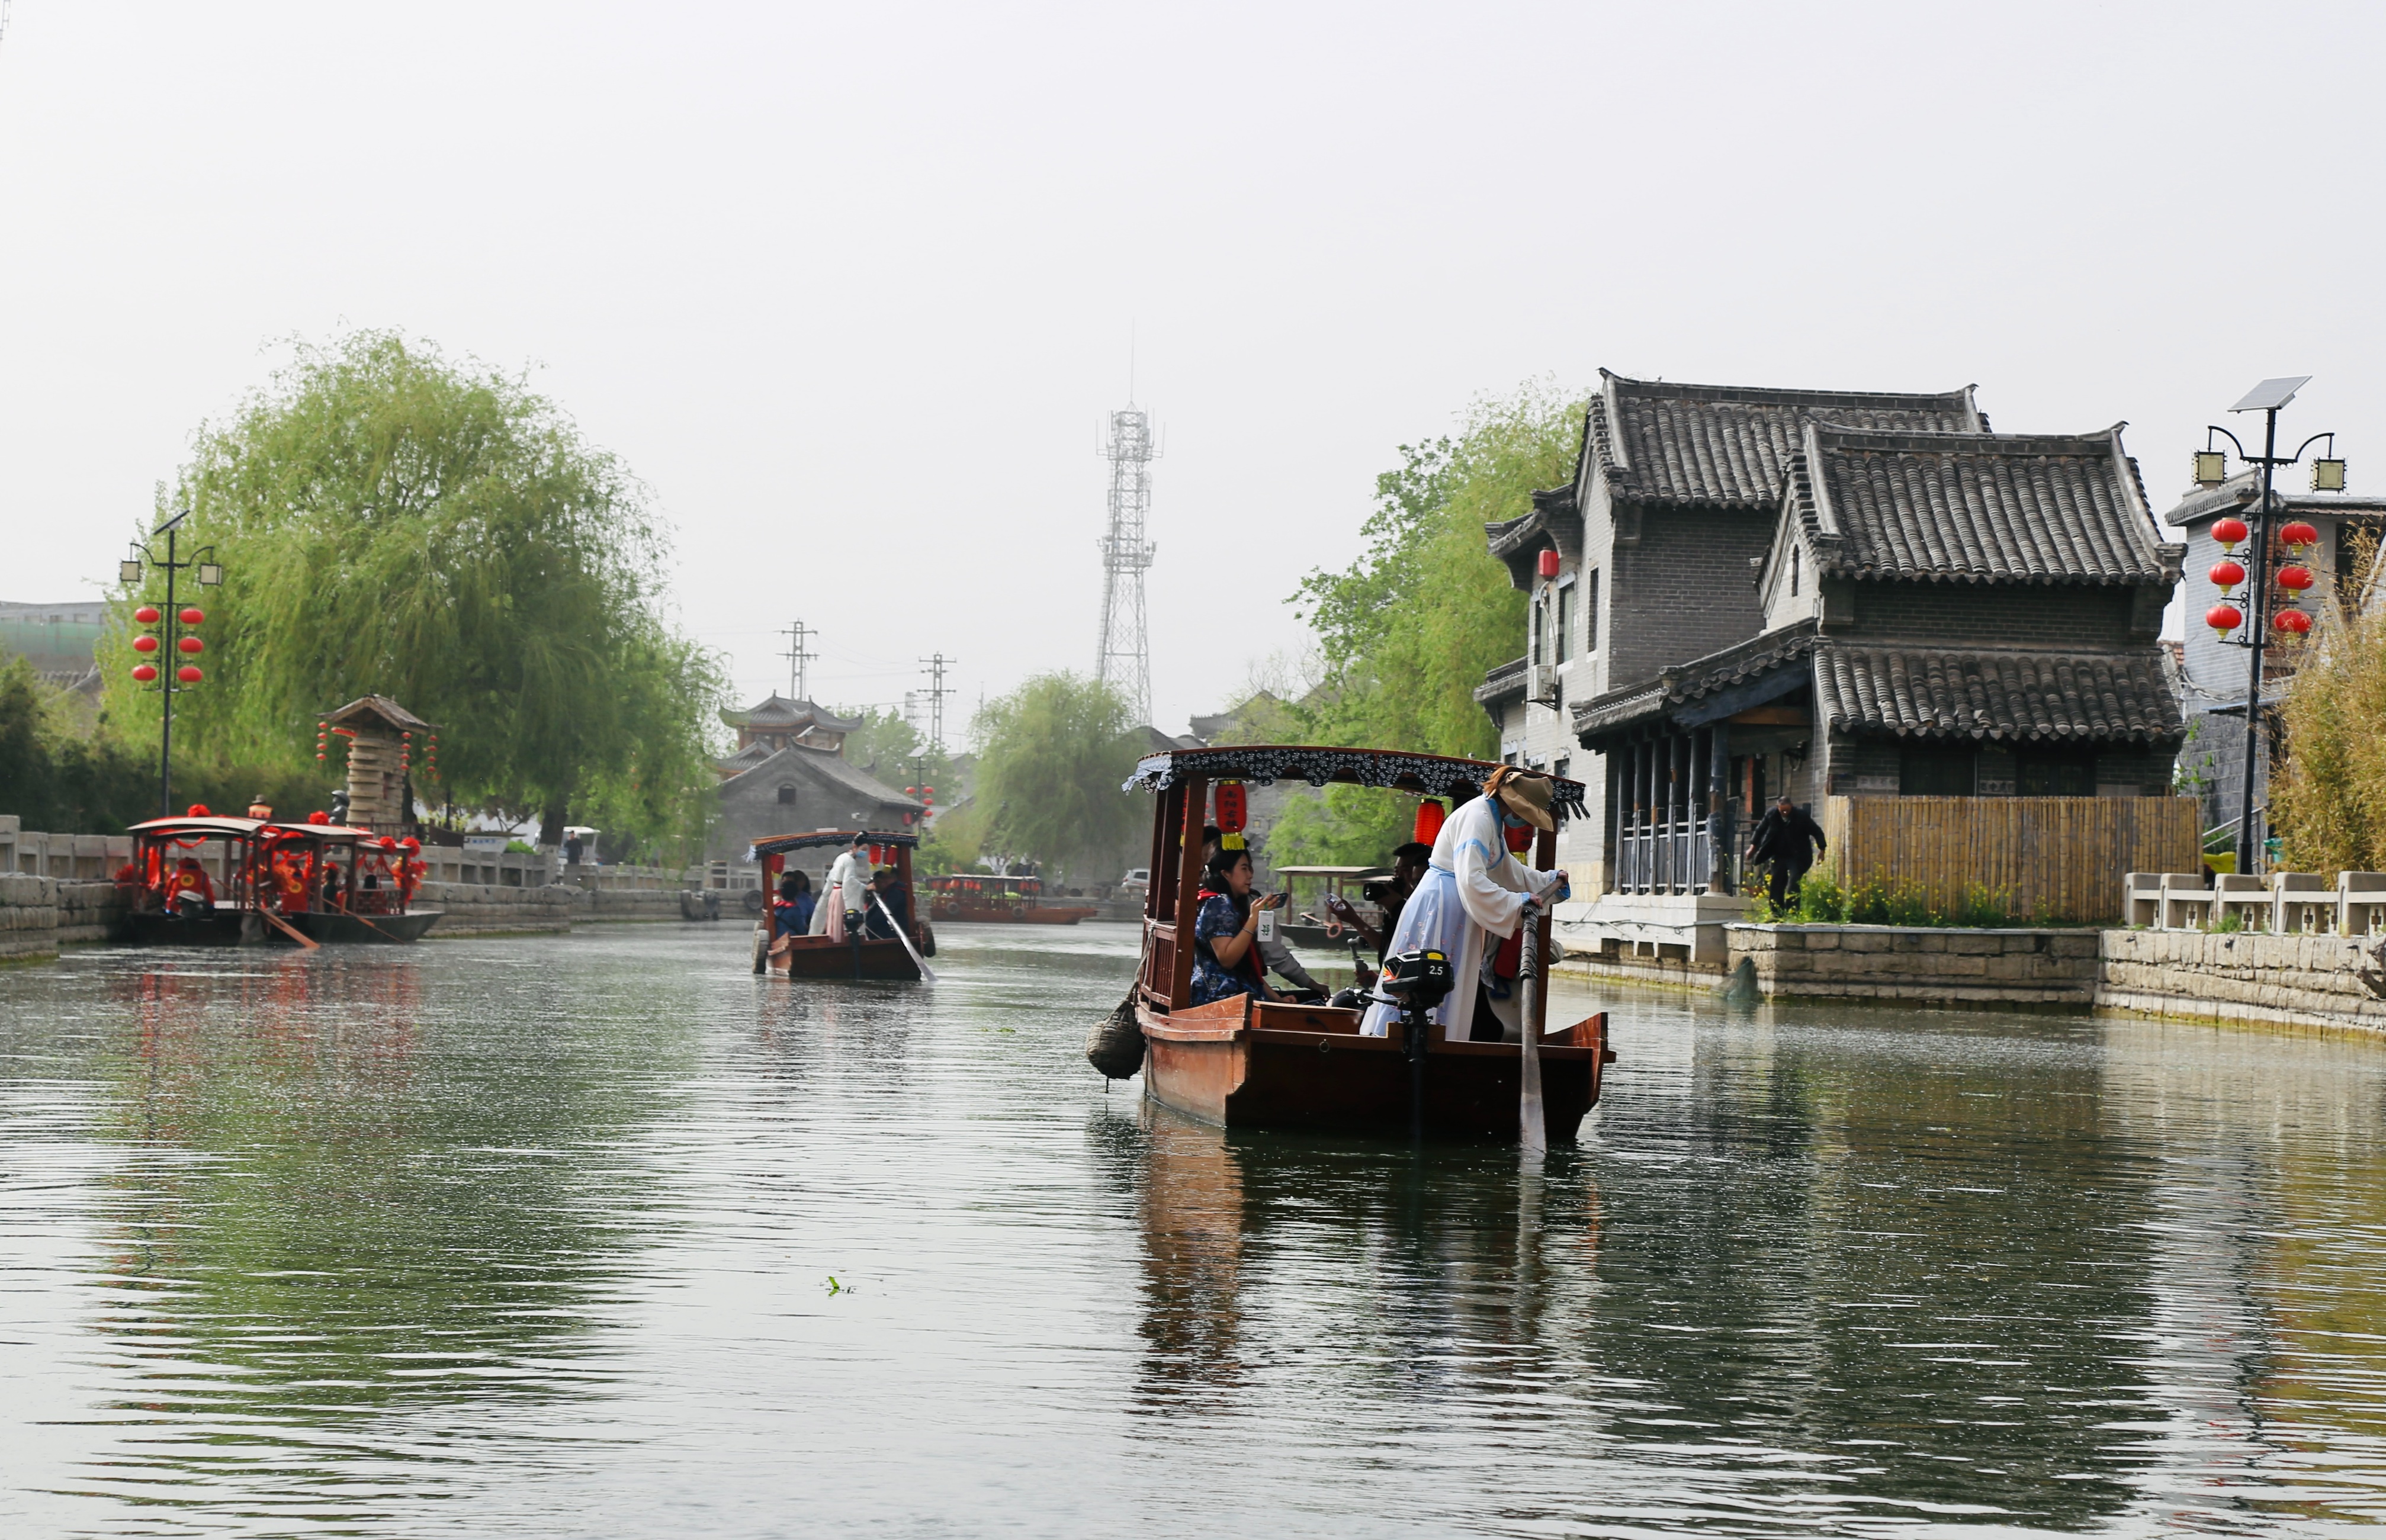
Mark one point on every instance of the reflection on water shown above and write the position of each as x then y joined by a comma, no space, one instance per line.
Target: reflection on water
605,1236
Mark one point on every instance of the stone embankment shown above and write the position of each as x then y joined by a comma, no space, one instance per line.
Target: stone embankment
2248,976
40,914
2001,967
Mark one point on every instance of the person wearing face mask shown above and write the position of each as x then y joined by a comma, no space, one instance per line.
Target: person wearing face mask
1474,890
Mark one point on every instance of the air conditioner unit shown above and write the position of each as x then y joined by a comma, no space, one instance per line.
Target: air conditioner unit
1542,685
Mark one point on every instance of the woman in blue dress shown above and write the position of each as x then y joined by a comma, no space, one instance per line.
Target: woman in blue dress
1225,928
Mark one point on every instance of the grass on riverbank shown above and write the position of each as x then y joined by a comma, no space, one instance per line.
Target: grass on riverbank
1823,900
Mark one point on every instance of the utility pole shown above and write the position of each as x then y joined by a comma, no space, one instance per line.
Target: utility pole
1124,659
167,636
936,692
797,658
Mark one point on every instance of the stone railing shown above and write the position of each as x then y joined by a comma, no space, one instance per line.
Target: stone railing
2285,902
2291,980
70,857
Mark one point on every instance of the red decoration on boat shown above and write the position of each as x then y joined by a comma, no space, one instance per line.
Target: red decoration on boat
1233,807
189,674
198,809
2299,533
192,644
2229,531
2294,622
2224,617
409,844
2296,578
2227,574
145,672
1429,815
389,842
318,817
195,616
148,614
1548,564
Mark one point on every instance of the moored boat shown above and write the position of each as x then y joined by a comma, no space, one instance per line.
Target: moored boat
855,957
203,880
1244,1062
983,899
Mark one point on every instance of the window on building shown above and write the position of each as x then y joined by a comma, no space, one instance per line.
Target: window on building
1565,622
1935,770
1565,767
1590,611
2055,770
1541,629
1793,571
787,796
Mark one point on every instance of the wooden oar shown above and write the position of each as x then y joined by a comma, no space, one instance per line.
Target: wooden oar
293,931
1532,1123
926,972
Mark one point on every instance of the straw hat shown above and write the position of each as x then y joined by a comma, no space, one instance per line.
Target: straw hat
1525,794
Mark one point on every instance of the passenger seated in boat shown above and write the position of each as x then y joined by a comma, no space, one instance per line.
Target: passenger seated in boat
890,893
334,892
792,915
1225,931
1275,956
190,890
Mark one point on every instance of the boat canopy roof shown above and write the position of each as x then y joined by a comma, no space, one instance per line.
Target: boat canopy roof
209,828
322,831
1332,870
1421,774
822,839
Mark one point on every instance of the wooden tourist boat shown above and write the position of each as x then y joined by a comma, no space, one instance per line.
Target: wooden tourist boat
1249,1063
265,882
817,956
983,898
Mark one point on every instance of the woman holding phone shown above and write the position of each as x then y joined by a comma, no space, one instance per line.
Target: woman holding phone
1226,929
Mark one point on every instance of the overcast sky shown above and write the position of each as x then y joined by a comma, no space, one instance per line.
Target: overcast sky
852,286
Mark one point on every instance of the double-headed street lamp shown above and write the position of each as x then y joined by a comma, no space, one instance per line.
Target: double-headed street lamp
2328,475
169,631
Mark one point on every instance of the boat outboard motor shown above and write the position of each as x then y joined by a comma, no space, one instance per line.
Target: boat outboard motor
1415,983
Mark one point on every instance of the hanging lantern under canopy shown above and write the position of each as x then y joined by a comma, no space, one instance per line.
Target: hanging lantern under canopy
2231,532
2293,622
1429,815
2296,578
2224,617
1233,805
2227,573
2299,535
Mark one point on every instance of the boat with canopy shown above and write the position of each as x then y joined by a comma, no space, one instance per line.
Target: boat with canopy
853,957
982,897
204,880
1245,1062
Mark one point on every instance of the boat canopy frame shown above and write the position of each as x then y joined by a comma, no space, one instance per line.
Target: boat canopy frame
823,839
1391,769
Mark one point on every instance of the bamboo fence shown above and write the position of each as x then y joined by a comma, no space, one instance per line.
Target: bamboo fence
2059,858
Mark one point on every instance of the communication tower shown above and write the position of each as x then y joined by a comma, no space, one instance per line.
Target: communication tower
1125,661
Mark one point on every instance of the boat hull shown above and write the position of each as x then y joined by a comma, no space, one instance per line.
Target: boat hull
1307,1068
223,927
818,958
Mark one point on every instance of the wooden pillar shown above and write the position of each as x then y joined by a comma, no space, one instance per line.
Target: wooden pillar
1719,830
1545,858
1188,888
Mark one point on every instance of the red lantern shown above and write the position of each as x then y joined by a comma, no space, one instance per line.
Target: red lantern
318,817
145,672
1548,565
2229,531
409,844
2293,622
2299,533
1233,811
1429,815
192,644
2224,617
2227,574
2296,578
389,842
148,614
145,643
195,616
189,674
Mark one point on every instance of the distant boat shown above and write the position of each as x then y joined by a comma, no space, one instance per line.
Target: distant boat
261,881
981,898
818,956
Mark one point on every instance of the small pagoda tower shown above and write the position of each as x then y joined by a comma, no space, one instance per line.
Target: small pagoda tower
382,737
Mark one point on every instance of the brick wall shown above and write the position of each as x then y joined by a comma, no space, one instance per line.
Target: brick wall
2000,615
1683,591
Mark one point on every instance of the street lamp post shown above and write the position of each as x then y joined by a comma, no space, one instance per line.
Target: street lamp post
173,676
2267,398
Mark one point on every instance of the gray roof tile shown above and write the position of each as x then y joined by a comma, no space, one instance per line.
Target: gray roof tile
1978,694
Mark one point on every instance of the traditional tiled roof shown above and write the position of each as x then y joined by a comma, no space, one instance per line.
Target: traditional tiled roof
2244,490
829,763
1730,445
382,708
1555,524
1505,683
777,711
1976,507
1687,682
1977,694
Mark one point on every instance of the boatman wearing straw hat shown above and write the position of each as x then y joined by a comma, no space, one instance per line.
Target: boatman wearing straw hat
1473,889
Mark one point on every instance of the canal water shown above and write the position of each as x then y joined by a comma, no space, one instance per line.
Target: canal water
602,1235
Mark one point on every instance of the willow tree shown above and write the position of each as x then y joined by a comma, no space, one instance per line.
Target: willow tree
1052,756
391,522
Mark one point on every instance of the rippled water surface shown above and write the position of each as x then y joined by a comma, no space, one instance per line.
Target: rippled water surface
604,1235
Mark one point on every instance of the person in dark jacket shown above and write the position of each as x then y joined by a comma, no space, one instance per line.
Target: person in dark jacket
1789,839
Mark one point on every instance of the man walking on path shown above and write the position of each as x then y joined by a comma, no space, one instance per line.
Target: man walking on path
1789,839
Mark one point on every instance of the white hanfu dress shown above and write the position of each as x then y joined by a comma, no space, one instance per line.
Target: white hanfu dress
1474,888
